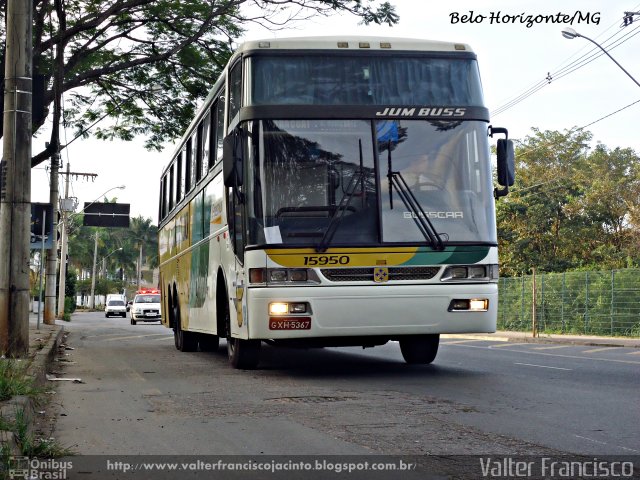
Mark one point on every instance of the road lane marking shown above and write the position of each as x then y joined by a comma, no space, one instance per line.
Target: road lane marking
507,345
134,336
598,359
168,337
542,366
459,341
594,350
634,353
590,439
553,347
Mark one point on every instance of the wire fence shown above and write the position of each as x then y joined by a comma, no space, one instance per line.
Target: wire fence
591,303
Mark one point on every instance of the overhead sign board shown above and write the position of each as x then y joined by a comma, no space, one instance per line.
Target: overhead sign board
41,212
106,214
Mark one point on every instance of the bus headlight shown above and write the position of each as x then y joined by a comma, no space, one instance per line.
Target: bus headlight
283,308
469,305
282,276
477,273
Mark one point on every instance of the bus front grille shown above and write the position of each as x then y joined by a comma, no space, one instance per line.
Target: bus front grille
366,274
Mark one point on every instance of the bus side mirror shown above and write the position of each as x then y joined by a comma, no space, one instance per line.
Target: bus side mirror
506,163
232,160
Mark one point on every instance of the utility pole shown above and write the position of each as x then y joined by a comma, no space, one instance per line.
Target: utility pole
92,301
64,243
15,204
52,253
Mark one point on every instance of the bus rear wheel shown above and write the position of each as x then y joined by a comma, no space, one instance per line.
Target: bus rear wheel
184,341
420,349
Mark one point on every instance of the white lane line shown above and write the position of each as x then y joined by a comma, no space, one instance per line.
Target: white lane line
598,359
594,350
542,366
460,341
168,337
554,347
509,344
135,336
634,353
590,439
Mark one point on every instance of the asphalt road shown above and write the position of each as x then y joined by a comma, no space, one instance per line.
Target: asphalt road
140,395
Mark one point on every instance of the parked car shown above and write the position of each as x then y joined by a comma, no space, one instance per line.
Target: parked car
146,306
115,307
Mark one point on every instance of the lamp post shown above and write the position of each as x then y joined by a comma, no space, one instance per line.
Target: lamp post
63,250
104,260
570,33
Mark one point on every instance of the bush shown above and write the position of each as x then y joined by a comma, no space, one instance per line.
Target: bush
69,308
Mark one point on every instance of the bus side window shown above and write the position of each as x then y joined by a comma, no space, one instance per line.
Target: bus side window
235,91
219,127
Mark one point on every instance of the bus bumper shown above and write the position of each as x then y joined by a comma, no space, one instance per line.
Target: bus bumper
377,310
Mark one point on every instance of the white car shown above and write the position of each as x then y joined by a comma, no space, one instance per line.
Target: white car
116,307
145,308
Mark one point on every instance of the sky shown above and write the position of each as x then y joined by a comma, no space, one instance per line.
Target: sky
514,56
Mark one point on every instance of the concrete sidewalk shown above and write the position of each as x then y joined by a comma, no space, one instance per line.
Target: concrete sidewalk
527,337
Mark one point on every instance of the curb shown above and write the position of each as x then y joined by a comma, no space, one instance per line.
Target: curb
39,364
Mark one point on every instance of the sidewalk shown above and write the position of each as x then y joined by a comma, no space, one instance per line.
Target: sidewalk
527,337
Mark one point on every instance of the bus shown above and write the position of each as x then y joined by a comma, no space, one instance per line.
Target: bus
334,191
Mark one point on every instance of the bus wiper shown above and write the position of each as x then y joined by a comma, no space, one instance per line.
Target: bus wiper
411,202
338,214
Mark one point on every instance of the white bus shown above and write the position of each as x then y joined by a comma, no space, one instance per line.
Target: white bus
334,191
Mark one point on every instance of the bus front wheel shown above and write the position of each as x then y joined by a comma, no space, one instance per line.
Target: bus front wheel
420,349
243,354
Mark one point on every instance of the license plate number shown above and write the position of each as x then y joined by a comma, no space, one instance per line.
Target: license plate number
294,323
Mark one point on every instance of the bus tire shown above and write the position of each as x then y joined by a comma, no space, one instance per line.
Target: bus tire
420,349
208,343
184,341
243,354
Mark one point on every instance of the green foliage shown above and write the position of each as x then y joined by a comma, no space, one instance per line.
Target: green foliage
32,446
13,379
69,305
572,207
148,63
138,241
587,302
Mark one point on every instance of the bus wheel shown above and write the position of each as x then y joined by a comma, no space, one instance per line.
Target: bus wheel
420,349
184,341
208,343
243,354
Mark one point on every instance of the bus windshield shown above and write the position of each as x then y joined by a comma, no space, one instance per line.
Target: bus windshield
394,78
315,175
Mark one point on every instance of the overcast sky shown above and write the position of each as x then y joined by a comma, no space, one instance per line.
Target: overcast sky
526,54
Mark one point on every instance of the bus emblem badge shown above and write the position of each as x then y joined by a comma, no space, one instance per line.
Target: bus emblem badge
381,274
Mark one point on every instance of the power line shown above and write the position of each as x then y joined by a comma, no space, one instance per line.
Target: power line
563,177
581,61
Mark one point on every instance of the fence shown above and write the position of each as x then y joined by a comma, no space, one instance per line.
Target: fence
592,303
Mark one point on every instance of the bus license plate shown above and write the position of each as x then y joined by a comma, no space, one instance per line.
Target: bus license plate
289,323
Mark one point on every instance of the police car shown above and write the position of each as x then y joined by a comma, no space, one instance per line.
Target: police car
145,306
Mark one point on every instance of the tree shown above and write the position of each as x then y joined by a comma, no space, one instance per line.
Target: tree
145,237
148,62
571,207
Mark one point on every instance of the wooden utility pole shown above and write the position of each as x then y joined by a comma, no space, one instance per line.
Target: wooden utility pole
52,253
15,204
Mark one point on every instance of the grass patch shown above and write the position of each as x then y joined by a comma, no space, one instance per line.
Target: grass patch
32,446
14,380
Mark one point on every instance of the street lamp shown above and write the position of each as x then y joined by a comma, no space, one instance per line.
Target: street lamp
63,255
104,260
570,33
